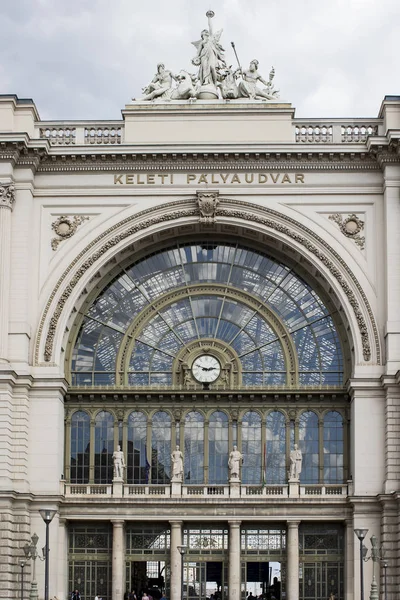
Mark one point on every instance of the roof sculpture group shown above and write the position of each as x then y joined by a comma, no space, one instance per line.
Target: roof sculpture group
214,80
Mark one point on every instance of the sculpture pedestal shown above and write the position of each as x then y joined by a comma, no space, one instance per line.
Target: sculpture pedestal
234,491
294,487
176,488
208,92
118,487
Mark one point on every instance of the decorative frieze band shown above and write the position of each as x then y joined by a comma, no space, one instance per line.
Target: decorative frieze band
234,209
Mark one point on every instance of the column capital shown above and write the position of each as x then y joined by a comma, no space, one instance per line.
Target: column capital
293,524
7,195
234,523
118,522
176,524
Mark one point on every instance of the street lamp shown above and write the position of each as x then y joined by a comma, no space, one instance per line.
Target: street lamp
360,533
47,515
182,550
30,551
22,564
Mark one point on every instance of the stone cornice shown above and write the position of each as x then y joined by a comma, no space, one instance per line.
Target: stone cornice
234,397
287,159
21,151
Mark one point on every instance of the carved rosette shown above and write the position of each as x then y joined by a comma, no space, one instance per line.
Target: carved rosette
207,203
351,226
7,195
65,227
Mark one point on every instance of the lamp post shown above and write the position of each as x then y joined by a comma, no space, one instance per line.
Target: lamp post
182,550
360,533
385,566
47,515
22,564
30,551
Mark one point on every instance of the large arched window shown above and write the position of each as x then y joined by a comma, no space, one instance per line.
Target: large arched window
251,448
194,448
80,447
309,445
275,451
137,465
161,448
103,447
218,448
333,447
249,301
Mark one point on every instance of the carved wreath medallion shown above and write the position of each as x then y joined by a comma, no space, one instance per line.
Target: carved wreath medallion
351,227
65,227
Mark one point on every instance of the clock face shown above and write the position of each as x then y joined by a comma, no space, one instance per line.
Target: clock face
206,368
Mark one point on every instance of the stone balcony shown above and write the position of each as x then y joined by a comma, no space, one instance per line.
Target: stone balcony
140,492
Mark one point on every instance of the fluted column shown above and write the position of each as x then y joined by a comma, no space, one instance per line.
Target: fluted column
176,560
234,560
118,562
292,581
7,200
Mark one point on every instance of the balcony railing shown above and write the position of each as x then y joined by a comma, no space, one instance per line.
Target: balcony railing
72,490
305,131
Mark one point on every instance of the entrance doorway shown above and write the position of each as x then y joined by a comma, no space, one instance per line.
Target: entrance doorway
205,580
262,579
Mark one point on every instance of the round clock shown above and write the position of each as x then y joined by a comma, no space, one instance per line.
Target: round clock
206,368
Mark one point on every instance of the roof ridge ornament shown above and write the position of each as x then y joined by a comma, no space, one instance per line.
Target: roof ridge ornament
214,80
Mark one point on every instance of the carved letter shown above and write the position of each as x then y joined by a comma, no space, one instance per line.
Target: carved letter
129,179
118,179
224,177
275,178
299,178
262,177
286,179
190,177
150,179
235,178
163,176
249,176
213,180
139,179
202,178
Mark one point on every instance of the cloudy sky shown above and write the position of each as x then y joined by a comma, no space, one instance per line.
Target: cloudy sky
86,59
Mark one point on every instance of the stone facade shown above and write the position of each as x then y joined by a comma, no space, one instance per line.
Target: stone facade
320,196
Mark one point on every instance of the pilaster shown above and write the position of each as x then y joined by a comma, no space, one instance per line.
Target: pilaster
7,201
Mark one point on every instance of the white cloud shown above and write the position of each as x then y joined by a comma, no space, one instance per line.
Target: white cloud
80,59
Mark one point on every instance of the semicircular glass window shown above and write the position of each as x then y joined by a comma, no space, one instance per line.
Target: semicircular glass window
195,313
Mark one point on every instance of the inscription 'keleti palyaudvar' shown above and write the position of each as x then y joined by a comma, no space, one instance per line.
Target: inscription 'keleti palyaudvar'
208,178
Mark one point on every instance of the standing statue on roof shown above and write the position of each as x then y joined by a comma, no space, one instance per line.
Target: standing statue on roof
209,58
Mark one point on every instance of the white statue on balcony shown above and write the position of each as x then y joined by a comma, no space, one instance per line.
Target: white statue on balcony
119,463
296,461
177,465
234,463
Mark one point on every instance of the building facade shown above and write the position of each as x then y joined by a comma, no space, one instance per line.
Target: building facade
200,278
